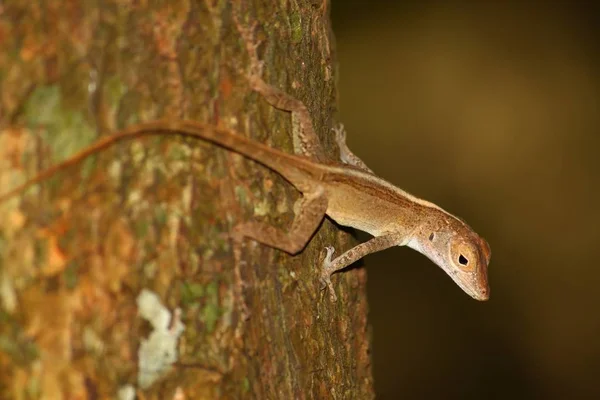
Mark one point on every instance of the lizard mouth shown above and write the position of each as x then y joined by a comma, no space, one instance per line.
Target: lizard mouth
482,295
477,292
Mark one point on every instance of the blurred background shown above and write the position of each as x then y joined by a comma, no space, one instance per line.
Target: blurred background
491,110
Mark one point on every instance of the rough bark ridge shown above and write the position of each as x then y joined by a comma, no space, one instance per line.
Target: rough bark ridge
152,216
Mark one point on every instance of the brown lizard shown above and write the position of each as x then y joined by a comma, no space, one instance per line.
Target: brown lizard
349,193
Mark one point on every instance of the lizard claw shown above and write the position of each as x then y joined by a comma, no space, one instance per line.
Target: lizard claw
326,275
340,133
330,250
248,34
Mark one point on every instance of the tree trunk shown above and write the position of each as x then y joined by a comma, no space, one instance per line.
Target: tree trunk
99,263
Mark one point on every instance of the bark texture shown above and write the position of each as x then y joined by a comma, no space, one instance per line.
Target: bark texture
152,216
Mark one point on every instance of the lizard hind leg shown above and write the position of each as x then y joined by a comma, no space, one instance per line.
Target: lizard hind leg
306,142
309,215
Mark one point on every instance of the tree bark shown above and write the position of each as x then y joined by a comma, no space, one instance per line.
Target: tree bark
152,216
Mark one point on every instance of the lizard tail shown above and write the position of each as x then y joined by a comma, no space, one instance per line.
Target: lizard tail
291,167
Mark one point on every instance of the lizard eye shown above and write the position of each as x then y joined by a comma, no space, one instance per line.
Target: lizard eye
463,255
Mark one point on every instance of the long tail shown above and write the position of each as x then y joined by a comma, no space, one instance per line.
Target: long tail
289,166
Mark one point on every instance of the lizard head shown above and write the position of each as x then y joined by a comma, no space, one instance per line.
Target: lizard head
459,251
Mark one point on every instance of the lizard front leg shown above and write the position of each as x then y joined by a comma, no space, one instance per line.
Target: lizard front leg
346,155
349,257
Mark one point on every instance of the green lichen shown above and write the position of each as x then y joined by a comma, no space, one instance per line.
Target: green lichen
179,153
66,130
17,345
33,388
70,275
245,385
210,315
191,292
210,312
141,228
296,27
138,153
160,216
114,89
42,105
240,195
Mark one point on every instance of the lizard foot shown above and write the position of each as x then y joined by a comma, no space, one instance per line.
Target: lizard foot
326,274
254,74
340,134
346,155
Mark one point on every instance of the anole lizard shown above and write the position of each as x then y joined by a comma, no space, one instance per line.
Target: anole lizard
350,194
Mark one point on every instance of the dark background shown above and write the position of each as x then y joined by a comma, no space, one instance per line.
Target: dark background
490,110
